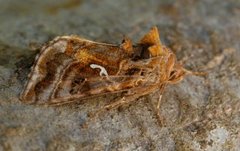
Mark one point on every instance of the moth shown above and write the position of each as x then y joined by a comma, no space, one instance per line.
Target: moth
70,69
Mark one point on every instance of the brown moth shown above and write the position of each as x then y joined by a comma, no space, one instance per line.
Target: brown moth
70,68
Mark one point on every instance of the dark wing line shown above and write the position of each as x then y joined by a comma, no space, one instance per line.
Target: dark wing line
60,78
80,97
72,98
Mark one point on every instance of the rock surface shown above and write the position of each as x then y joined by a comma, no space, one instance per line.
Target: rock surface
201,113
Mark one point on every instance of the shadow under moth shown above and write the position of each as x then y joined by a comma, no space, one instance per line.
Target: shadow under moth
69,69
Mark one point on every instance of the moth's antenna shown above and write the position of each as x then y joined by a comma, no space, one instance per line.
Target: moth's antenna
188,72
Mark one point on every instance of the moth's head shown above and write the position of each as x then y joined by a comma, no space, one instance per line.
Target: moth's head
179,72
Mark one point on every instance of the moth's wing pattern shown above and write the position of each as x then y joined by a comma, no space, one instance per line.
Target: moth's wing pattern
62,67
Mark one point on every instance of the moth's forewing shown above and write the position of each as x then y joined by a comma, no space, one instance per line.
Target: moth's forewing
64,64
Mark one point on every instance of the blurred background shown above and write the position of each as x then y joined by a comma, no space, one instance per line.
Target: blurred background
201,113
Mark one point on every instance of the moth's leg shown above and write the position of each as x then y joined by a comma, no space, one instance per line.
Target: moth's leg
128,98
122,101
159,117
131,96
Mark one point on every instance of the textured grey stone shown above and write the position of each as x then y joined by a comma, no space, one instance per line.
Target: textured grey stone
201,113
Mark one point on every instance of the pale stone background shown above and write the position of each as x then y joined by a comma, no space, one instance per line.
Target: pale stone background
201,113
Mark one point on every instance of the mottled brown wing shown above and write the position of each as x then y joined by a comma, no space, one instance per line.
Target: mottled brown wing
64,65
